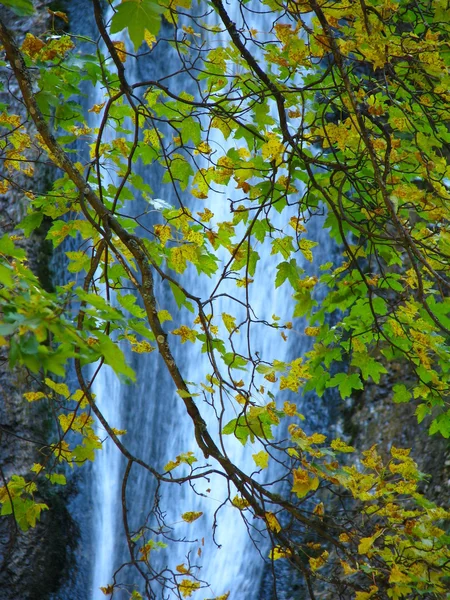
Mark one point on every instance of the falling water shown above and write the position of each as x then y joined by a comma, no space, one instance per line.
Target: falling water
159,429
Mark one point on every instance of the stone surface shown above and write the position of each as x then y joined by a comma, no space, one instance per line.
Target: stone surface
32,564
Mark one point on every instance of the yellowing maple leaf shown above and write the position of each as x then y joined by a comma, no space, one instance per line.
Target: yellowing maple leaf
59,388
272,522
367,595
149,38
365,544
261,459
348,570
240,502
121,50
317,563
273,149
229,321
163,232
185,333
398,576
107,590
341,446
279,552
303,483
187,587
182,569
33,396
290,409
31,45
190,517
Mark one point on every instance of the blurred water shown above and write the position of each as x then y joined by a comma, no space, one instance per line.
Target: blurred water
155,417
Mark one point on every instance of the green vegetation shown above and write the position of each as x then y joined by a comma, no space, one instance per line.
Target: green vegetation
338,104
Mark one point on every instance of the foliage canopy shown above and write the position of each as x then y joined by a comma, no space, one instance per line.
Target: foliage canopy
296,111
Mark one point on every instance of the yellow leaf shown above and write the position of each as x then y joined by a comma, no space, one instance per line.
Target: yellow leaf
37,468
305,248
203,148
195,237
366,543
348,570
118,431
59,388
152,137
312,331
400,453
397,576
317,563
163,232
182,569
33,396
206,215
142,347
273,149
31,45
230,322
317,438
319,509
58,13
80,397
303,483
186,334
290,408
107,590
180,255
171,465
187,587
149,38
367,595
261,459
240,502
279,552
164,315
272,522
121,51
341,446
190,517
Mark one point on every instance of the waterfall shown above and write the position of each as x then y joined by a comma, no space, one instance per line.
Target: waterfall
154,417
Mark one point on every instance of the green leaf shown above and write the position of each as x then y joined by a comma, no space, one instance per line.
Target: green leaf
79,261
239,429
114,356
288,270
401,394
441,424
128,302
422,411
23,8
57,478
368,365
137,16
6,278
283,246
31,222
180,297
180,170
346,383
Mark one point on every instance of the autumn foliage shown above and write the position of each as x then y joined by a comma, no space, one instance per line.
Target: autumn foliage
301,111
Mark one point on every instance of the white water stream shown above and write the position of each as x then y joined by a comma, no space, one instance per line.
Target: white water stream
159,428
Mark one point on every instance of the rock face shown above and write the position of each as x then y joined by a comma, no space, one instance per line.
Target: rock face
32,564
373,418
